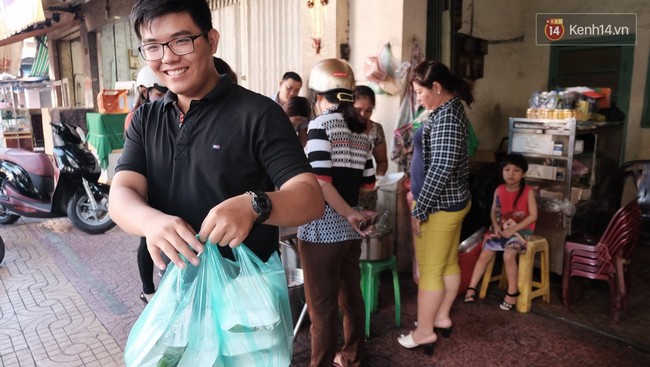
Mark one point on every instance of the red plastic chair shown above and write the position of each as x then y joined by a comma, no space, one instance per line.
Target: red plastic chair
623,263
602,265
608,259
640,171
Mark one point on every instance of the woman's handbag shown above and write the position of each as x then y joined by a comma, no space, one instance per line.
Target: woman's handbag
221,313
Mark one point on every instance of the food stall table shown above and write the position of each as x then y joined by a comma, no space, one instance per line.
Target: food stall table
105,134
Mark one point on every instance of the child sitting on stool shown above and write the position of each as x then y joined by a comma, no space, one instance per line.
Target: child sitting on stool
514,212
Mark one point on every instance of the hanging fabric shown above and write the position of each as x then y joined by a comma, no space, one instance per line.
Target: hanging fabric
401,148
41,67
10,57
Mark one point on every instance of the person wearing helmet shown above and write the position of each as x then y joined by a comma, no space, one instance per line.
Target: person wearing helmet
341,158
148,88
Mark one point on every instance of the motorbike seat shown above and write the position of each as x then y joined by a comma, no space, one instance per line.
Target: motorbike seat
35,163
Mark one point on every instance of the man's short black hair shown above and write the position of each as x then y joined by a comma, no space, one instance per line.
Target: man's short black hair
298,106
145,11
292,75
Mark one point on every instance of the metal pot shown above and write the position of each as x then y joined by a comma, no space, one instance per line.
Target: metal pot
296,286
289,255
378,245
472,241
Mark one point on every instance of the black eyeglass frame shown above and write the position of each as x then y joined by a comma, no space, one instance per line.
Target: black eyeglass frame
162,45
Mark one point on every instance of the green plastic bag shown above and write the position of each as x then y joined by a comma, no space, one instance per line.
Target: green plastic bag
221,313
472,140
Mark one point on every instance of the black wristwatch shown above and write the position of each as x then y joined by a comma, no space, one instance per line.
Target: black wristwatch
261,205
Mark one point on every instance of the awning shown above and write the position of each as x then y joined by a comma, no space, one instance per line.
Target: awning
53,20
18,15
40,67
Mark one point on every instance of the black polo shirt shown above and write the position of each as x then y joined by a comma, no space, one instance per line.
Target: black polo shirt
231,141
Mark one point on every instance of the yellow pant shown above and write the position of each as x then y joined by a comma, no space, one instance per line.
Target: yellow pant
436,248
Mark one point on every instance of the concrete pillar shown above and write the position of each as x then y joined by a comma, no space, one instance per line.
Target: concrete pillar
90,66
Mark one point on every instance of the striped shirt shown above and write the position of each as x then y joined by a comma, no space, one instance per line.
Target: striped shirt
344,159
446,163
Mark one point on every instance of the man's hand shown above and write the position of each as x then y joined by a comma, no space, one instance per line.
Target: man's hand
167,233
230,222
173,236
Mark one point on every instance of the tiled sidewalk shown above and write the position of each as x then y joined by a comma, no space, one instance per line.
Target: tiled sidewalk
66,298
70,299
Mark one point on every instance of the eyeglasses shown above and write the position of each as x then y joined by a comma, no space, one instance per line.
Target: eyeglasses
179,46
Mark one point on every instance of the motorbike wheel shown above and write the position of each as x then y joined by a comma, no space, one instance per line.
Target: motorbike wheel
82,215
6,218
2,250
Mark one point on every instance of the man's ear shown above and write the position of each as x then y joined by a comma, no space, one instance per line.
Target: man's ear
213,37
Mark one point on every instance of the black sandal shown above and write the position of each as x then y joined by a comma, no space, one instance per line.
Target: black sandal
470,297
507,306
143,298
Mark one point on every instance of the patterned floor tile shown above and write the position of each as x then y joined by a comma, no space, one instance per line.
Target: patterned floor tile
69,299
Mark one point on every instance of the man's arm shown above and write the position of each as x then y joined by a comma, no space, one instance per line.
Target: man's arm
300,200
129,209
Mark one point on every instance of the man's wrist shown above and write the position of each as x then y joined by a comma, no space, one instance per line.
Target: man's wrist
261,204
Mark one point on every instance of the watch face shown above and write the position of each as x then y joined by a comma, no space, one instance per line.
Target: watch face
262,206
261,203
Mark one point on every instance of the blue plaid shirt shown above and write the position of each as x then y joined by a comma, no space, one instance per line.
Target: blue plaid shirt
446,163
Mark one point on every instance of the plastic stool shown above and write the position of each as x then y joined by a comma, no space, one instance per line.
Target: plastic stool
370,286
489,278
528,287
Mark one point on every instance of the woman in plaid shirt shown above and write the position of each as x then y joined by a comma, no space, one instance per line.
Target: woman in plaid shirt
439,182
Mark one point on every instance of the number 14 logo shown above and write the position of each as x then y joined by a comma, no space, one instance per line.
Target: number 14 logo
554,29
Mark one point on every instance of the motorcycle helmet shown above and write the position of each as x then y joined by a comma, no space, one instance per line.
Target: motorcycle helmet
147,78
331,75
149,81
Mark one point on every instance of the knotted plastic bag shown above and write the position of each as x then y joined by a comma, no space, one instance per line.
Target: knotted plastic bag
384,74
221,313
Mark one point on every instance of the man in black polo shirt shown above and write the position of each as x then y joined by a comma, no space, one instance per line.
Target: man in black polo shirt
207,158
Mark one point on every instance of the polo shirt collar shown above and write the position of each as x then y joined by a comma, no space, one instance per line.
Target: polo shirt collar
223,87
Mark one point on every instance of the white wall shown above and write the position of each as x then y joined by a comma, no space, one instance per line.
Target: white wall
514,70
373,24
499,94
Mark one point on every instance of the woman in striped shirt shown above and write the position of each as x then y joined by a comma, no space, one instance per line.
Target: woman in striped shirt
341,158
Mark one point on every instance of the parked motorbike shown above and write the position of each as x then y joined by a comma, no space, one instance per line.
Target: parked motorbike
33,185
